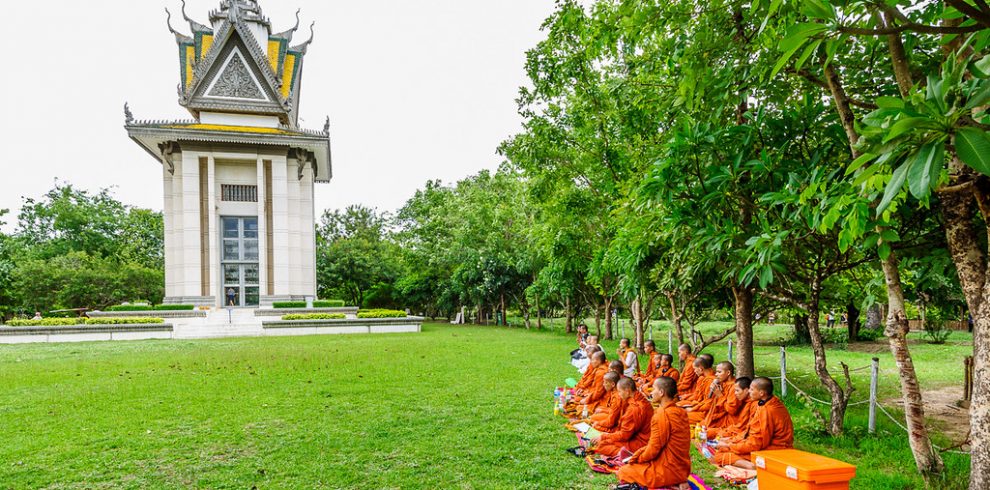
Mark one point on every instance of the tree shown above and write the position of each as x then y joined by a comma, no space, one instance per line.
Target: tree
354,257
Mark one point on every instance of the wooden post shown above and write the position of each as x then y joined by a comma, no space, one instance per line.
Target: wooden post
783,371
670,342
967,381
874,374
730,351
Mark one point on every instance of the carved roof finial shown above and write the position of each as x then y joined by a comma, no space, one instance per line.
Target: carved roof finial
193,25
326,126
302,47
128,117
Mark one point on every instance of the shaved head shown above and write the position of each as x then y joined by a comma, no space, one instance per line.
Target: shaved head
743,382
709,360
666,386
626,384
667,357
616,366
727,366
650,343
684,348
612,376
763,384
598,357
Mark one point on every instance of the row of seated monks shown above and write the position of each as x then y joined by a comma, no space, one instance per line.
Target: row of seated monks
651,414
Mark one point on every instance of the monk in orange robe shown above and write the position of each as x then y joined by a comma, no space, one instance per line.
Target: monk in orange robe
706,375
665,460
647,377
731,418
605,410
718,393
633,431
581,388
596,391
667,367
685,385
770,428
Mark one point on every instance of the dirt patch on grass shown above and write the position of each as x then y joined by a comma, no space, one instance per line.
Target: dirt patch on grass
942,407
868,347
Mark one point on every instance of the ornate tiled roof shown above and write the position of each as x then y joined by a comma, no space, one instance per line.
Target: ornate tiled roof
274,64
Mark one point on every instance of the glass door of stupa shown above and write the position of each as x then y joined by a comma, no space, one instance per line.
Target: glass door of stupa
239,261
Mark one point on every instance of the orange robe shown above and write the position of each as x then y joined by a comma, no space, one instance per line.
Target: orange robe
633,431
606,418
585,380
625,354
670,372
665,460
651,369
770,428
700,411
685,385
596,392
738,423
701,389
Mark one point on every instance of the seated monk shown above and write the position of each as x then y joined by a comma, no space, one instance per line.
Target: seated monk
735,413
617,367
770,428
633,431
652,365
665,460
685,384
667,367
606,415
629,358
717,394
705,375
588,375
595,391
590,347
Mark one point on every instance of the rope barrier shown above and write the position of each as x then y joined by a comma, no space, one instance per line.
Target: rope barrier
905,429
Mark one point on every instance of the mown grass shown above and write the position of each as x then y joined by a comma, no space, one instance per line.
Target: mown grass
454,407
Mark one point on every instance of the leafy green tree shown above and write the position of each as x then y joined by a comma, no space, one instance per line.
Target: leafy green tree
354,257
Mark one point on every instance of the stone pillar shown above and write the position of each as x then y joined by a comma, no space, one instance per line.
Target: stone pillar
280,225
189,233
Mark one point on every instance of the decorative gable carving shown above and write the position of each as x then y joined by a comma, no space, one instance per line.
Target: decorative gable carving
236,81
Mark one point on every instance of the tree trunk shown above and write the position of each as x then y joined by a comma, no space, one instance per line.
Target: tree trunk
636,312
539,314
873,317
608,318
675,318
801,335
598,321
524,309
852,320
568,315
502,308
743,298
840,399
927,460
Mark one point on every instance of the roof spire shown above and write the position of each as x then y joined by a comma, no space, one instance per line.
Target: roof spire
302,47
193,25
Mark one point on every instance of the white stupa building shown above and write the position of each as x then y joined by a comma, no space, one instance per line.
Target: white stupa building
239,176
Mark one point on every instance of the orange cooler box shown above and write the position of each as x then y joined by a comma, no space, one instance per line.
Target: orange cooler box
790,469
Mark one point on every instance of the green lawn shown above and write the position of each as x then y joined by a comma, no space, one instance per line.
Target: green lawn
454,407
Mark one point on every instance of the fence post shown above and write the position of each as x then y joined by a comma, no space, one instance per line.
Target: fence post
670,342
874,374
730,351
783,371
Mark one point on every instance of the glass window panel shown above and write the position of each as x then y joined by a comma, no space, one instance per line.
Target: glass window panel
251,296
250,274
250,249
250,227
230,227
231,274
230,250
232,296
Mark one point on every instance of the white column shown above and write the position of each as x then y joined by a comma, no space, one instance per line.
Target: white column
262,228
189,232
295,251
280,224
214,234
307,218
168,216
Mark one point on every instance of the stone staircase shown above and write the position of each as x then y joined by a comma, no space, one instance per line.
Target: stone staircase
238,322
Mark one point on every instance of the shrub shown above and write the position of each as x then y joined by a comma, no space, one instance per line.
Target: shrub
381,314
870,334
315,316
122,321
936,329
321,303
129,308
174,308
47,322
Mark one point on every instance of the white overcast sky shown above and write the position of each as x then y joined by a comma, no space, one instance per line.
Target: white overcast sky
415,90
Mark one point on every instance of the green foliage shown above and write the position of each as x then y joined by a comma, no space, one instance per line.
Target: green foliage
315,316
936,330
870,334
381,314
123,321
320,303
47,322
353,255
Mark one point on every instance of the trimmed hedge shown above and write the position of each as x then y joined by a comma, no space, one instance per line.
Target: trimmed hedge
123,321
68,322
152,308
381,314
314,316
321,303
47,322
